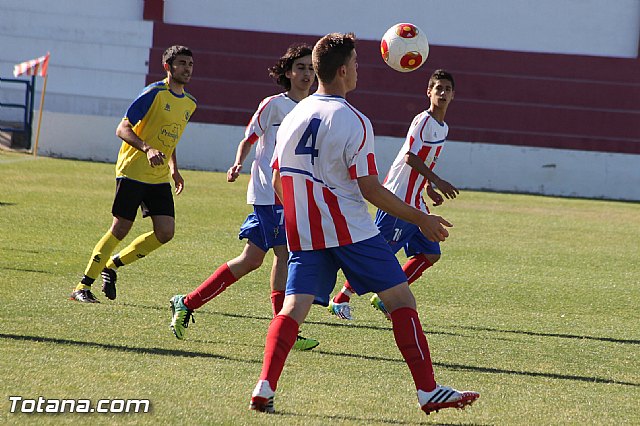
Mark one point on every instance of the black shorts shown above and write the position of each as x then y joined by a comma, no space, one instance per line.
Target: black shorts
153,199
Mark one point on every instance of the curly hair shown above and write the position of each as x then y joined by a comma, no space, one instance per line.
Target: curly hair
285,63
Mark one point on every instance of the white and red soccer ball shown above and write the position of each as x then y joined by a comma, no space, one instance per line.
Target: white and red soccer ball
404,47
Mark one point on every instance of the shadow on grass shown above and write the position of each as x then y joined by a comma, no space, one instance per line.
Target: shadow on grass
4,268
429,332
561,335
445,365
123,348
362,420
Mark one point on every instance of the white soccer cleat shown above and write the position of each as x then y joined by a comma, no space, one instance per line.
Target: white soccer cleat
262,398
445,397
341,310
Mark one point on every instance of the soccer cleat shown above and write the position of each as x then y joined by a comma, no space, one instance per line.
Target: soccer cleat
109,278
180,316
445,397
377,303
304,344
341,310
84,296
262,398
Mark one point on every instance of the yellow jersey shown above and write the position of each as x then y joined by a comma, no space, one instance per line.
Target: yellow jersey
158,116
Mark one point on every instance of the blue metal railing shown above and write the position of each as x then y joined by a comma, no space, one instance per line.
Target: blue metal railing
27,106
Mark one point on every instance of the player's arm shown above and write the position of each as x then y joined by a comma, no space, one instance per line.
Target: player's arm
244,148
175,174
418,165
126,133
277,183
430,225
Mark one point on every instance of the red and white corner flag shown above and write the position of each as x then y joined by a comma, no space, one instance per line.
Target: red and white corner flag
33,67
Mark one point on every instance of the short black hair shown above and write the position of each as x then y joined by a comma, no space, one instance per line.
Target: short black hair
285,63
441,74
170,54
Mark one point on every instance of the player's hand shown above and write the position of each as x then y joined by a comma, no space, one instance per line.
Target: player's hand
233,172
433,227
155,157
179,181
435,196
446,188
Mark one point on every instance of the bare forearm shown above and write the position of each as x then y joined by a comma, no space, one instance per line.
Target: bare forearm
385,200
126,133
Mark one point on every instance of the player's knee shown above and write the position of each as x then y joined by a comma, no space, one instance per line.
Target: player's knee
432,258
252,263
164,235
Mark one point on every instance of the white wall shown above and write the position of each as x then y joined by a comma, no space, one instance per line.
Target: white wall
99,52
470,166
585,27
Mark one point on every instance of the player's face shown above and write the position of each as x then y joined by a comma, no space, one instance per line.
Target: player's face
301,74
441,93
352,71
181,69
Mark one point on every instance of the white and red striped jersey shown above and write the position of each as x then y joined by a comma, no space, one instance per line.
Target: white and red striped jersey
262,129
425,138
323,145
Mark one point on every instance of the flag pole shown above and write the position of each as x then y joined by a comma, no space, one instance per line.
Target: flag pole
44,88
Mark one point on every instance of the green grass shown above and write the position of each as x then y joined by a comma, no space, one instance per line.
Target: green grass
535,304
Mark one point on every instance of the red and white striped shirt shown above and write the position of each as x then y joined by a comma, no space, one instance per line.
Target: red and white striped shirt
323,145
262,129
425,138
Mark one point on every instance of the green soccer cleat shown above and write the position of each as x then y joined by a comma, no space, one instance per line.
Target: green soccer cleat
377,303
180,316
304,344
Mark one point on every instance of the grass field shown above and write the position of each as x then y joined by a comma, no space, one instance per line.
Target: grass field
535,304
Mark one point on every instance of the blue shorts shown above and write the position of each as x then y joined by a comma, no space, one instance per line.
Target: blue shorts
265,227
400,234
369,265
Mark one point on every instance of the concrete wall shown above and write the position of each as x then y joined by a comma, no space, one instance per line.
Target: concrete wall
99,53
584,27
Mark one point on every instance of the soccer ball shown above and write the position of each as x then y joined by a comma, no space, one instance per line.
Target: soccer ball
404,47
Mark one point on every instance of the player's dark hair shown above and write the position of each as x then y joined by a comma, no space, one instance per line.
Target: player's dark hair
441,75
285,63
330,53
170,54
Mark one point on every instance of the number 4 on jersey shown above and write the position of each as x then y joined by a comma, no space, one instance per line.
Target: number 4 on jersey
311,132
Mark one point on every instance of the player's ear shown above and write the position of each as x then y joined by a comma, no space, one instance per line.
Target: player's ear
166,66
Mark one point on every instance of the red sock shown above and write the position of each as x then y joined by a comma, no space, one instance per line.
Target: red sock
280,339
277,300
210,288
341,297
414,347
415,266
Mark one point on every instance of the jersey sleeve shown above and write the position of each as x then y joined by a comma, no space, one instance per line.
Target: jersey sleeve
139,108
414,134
259,121
359,151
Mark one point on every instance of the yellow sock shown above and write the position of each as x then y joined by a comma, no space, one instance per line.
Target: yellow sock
82,287
139,248
99,257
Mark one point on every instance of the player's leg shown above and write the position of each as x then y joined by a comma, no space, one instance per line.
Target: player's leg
155,201
393,231
413,346
311,277
422,255
125,204
278,277
182,306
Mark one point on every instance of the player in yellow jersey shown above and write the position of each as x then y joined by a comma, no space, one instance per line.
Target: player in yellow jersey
146,163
